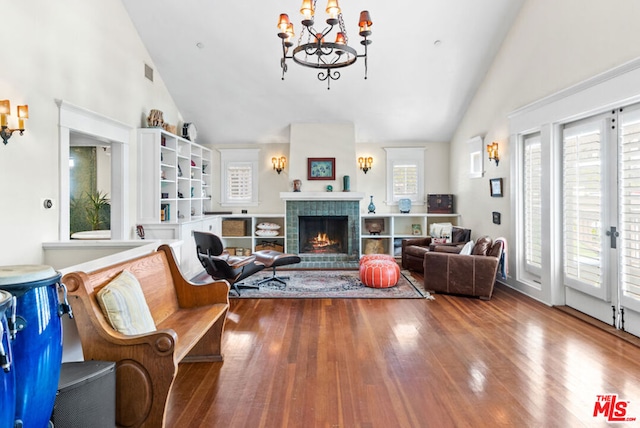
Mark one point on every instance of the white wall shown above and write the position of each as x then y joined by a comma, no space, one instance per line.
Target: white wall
84,52
336,140
551,46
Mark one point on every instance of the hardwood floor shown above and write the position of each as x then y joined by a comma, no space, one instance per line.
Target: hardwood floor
451,362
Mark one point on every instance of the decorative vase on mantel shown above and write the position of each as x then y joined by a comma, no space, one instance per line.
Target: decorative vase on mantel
371,207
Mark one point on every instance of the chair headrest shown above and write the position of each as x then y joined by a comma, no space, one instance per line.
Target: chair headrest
206,241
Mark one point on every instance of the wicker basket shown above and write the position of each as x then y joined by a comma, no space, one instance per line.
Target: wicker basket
268,245
234,228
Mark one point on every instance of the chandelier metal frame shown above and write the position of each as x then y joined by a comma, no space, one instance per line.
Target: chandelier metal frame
317,53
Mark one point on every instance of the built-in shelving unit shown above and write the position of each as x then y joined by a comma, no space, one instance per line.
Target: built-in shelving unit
239,231
174,178
174,191
396,226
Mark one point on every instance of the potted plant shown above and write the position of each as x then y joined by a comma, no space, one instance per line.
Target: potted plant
97,203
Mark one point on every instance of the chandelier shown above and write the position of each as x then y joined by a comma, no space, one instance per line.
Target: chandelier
312,49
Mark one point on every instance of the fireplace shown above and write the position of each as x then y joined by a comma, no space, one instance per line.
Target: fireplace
323,234
344,206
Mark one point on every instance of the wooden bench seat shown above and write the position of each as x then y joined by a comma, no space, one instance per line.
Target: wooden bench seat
189,319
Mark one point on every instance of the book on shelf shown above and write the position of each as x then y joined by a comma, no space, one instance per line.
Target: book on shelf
165,212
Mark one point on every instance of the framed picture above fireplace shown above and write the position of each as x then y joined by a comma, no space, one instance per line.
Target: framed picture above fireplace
321,168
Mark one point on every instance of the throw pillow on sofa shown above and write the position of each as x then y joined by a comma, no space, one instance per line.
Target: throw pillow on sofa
467,249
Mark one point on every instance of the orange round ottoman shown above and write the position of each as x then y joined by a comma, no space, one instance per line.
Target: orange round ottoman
379,273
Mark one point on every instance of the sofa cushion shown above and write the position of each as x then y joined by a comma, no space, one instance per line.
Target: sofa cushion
441,230
124,305
482,246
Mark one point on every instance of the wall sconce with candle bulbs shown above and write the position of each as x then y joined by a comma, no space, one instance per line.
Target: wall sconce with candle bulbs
492,149
5,110
365,163
279,163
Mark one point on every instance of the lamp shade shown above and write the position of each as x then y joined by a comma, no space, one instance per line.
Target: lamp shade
283,22
340,39
365,23
23,112
332,8
5,107
307,9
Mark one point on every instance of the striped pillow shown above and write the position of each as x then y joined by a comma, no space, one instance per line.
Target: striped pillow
123,303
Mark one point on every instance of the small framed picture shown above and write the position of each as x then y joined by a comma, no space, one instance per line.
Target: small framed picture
496,217
416,229
321,168
496,187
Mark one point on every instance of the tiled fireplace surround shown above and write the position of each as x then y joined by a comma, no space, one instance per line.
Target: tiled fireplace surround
349,208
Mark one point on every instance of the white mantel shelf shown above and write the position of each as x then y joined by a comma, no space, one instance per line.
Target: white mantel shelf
321,196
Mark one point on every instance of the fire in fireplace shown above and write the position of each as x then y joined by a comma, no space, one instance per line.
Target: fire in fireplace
323,234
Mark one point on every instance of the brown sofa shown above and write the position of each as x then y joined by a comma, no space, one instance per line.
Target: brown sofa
472,275
414,249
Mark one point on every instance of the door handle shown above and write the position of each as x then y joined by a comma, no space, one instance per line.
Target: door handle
613,233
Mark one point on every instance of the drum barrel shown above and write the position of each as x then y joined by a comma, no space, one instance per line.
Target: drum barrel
37,346
7,375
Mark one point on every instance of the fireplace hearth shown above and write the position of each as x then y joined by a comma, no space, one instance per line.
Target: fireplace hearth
324,252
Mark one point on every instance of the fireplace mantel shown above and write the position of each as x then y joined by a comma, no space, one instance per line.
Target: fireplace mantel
321,196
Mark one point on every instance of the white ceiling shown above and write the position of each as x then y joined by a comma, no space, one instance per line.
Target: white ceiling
231,87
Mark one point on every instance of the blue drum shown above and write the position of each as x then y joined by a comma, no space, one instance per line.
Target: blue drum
36,333
7,375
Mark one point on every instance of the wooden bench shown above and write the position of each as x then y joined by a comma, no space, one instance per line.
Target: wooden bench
189,318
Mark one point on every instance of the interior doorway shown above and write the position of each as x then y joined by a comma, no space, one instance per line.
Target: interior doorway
75,124
89,186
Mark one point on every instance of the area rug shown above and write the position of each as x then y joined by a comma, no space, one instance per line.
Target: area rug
326,284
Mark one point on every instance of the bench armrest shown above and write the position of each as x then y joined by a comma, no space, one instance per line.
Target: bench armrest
190,294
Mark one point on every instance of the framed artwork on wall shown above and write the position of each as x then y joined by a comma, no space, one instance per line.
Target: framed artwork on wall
321,168
496,187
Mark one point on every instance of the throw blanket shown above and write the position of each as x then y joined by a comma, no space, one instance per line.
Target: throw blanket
503,267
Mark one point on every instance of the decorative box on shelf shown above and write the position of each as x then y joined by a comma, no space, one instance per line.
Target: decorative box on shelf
234,227
440,204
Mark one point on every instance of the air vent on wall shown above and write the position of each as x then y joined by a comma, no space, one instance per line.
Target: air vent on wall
148,72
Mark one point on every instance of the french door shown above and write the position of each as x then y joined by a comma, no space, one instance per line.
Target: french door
601,217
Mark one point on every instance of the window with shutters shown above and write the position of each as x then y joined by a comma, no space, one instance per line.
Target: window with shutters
582,202
532,203
629,191
239,172
405,175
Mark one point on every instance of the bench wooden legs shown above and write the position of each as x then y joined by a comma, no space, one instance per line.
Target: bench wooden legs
209,347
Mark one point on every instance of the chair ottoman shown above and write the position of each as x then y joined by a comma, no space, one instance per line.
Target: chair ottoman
273,259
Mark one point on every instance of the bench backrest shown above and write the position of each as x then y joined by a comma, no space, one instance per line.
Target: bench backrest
154,276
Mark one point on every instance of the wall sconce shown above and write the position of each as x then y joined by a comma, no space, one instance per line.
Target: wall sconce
5,110
365,164
492,149
278,163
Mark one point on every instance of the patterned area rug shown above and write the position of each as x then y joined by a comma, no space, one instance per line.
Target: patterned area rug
327,284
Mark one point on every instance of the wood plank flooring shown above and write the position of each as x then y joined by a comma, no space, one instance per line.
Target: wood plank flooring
451,362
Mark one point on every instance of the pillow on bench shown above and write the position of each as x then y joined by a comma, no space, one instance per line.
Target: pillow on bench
123,303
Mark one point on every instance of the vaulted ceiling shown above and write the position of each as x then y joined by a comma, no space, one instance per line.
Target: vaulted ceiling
221,63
